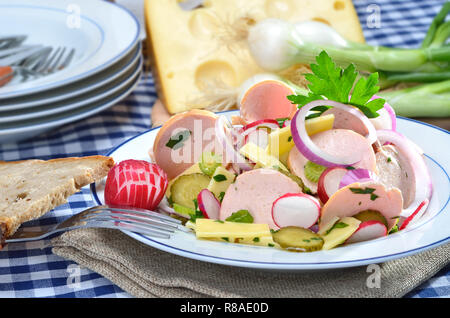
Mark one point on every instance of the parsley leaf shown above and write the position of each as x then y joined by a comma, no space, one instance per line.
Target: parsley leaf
328,81
241,216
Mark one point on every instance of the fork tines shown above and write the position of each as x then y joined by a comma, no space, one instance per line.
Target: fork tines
135,220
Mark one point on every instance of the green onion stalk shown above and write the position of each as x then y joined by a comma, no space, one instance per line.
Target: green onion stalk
276,44
426,100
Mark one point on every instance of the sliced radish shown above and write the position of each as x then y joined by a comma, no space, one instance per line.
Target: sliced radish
270,123
329,182
357,175
296,209
286,123
208,204
368,230
415,215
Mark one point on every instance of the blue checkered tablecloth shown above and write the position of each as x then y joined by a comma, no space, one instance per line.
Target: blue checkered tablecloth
31,270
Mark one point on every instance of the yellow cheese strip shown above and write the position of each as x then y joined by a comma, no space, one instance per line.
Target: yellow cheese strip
339,235
217,187
194,52
207,228
280,141
261,157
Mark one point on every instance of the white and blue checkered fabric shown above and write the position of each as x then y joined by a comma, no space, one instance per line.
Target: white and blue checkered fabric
31,270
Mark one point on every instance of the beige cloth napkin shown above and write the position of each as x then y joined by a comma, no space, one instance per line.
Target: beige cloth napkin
144,271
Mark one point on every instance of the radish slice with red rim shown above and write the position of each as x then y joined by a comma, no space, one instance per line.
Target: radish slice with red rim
368,230
296,209
357,175
415,215
311,151
329,182
208,204
422,180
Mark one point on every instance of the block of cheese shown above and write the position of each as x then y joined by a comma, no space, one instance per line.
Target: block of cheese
200,56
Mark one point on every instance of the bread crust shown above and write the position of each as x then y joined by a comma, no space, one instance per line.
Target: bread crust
56,196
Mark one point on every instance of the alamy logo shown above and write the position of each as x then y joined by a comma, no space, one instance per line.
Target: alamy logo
373,20
374,279
73,20
74,278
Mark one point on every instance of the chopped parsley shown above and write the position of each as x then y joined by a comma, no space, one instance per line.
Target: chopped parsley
256,239
219,178
338,225
177,140
241,216
389,159
197,214
221,195
327,81
281,121
270,245
290,139
373,197
350,168
362,191
225,239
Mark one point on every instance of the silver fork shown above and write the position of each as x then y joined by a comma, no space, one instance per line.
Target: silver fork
123,218
11,41
39,63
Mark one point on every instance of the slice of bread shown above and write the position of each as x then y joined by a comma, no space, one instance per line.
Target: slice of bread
31,188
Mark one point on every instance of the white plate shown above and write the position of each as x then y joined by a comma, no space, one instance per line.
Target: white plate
431,231
12,118
35,127
75,89
101,33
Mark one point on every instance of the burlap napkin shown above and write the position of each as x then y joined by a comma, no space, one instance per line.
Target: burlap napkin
144,271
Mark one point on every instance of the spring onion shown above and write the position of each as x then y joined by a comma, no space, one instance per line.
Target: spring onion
276,44
427,100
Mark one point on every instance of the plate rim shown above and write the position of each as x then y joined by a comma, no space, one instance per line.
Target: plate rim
135,67
90,72
28,105
91,111
280,266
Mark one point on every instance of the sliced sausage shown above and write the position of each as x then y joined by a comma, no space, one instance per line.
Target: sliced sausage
255,191
395,171
267,100
336,142
182,139
346,120
357,197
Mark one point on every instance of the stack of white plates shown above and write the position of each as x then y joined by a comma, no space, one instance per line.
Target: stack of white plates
106,67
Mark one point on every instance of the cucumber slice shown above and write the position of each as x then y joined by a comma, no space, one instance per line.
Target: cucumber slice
185,211
209,162
298,239
313,171
371,215
187,187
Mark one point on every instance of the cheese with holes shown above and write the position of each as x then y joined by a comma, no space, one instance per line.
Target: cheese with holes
200,56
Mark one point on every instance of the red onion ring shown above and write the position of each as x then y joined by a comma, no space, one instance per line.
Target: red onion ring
306,146
388,108
230,152
357,175
424,186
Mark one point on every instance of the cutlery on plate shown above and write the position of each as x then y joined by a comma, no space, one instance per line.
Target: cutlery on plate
122,218
40,62
11,41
